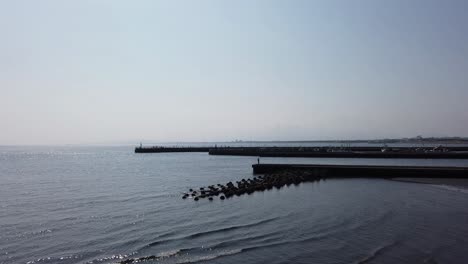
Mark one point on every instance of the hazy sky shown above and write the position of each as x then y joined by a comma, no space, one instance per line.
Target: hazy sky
124,71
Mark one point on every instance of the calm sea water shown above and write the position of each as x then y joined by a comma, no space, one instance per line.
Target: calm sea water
107,204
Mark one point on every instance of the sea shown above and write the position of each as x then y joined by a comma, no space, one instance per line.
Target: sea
106,204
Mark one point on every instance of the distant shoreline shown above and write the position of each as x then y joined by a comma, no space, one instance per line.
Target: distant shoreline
431,140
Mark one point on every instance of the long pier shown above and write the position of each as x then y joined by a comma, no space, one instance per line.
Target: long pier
354,171
279,175
407,154
157,149
456,152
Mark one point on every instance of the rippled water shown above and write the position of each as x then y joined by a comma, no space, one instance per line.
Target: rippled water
107,204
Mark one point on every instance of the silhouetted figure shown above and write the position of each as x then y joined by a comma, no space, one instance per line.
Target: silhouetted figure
258,160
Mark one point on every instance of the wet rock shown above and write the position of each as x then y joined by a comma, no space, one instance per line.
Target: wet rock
256,184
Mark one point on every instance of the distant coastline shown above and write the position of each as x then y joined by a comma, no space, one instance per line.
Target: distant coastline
414,140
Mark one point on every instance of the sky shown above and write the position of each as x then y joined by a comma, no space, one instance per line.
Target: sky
109,71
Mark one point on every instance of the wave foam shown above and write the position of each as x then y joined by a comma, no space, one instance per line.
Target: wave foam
210,257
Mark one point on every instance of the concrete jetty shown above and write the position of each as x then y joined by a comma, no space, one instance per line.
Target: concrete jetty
459,152
280,175
366,171
158,149
407,154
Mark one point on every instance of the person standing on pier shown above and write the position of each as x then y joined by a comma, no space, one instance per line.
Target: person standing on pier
258,160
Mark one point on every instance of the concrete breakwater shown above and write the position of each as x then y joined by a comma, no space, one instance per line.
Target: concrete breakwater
158,149
341,154
279,175
459,152
249,186
365,171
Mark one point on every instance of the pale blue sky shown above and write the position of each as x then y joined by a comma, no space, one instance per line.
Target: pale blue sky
122,71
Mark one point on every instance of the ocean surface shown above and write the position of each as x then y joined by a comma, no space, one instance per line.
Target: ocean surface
79,204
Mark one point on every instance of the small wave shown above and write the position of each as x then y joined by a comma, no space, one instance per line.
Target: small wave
377,252
211,257
377,218
265,238
220,230
160,256
34,233
53,259
267,241
230,228
185,260
169,253
113,257
451,188
41,232
303,240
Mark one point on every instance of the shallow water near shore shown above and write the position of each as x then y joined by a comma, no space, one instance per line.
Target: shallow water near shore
108,204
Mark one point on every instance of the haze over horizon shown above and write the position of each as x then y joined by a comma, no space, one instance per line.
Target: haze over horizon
119,71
